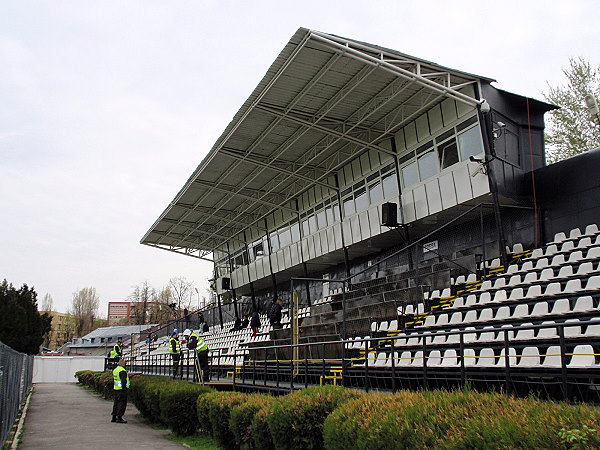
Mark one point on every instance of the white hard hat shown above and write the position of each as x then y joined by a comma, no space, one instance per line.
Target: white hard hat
187,332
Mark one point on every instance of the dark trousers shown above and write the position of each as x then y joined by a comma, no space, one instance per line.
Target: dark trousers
203,364
120,403
176,358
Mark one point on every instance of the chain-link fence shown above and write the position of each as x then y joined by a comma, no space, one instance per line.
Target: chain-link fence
16,374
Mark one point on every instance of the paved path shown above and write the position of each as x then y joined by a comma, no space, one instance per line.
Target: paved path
67,416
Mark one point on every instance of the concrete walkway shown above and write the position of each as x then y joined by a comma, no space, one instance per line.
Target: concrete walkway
67,416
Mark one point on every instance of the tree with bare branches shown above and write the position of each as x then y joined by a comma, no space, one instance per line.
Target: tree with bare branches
84,309
142,297
183,291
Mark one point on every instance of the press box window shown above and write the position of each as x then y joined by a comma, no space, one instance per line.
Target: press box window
410,174
448,153
390,186
349,207
469,143
428,165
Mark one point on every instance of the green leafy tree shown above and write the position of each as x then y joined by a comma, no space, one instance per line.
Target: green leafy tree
22,327
571,129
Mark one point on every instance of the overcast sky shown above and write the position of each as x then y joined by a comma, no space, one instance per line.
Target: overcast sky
106,108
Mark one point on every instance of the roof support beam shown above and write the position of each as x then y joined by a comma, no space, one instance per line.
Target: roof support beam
234,190
363,56
241,156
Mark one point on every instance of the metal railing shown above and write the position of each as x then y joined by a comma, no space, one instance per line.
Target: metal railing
16,375
506,366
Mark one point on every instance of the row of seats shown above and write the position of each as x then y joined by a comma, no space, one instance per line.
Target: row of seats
540,308
573,328
582,356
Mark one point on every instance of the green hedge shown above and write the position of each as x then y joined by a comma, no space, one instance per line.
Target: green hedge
219,413
241,417
461,419
296,421
335,418
137,393
178,406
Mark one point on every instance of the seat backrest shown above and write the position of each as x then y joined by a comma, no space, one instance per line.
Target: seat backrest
515,280
540,309
594,252
405,359
470,316
487,335
469,357
521,310
484,298
449,359
585,268
434,358
575,233
503,313
593,283
534,291
551,250
572,331
459,302
525,334
552,357
499,283
456,318
516,294
567,247
471,300
565,272
553,289
575,256
557,260
512,358
585,242
393,325
583,356
383,326
530,357
584,304
591,229
486,315
417,359
547,274
592,330
547,333
500,296
487,358
530,278
559,237
442,320
573,286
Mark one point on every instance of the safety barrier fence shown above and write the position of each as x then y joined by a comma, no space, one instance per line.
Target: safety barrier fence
16,374
551,363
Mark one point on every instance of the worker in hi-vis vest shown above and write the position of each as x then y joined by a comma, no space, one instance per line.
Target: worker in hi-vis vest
120,386
175,351
196,342
117,351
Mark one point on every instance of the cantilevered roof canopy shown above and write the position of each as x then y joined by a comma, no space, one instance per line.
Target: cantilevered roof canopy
324,101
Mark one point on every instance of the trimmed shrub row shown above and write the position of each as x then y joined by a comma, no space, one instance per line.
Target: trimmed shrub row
459,420
333,417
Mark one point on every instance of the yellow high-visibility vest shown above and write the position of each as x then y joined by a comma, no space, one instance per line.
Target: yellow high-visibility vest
118,385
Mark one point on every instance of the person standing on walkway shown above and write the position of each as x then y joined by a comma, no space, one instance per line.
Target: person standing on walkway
120,386
175,351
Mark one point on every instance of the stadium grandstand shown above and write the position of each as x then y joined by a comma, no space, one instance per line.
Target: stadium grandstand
405,214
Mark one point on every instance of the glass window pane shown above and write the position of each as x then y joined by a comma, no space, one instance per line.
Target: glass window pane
336,212
322,219
448,153
376,193
312,224
349,206
410,174
390,186
470,143
427,165
285,238
295,230
274,242
329,214
362,201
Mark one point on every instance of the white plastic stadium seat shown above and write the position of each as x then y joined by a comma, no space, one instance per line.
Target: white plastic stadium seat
591,229
547,333
434,359
552,357
530,357
583,357
512,358
449,359
487,358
